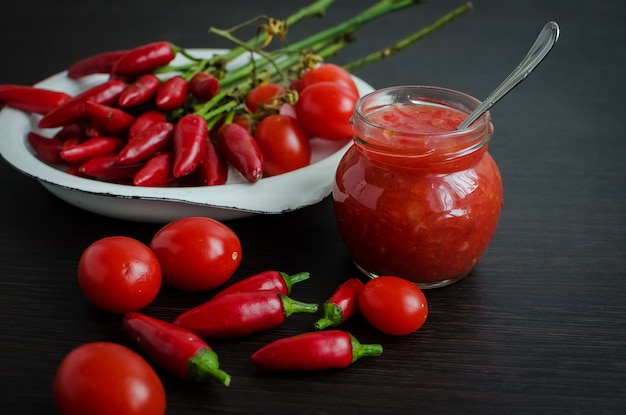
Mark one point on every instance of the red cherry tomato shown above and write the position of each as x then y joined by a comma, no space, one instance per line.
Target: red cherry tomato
196,253
266,94
393,305
107,379
284,144
324,110
328,72
119,274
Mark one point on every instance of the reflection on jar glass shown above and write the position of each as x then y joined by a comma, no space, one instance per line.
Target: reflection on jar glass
413,196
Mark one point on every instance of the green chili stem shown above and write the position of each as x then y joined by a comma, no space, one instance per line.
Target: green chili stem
290,280
204,365
291,306
331,316
360,350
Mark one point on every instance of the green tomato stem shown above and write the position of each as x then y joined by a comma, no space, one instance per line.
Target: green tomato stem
349,26
406,42
340,31
318,8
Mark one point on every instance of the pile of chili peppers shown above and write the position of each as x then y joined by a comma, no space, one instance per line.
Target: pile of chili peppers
154,122
257,303
136,127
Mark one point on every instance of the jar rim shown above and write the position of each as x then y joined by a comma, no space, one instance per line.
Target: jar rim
477,134
418,96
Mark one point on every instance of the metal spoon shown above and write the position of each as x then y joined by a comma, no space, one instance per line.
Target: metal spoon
546,39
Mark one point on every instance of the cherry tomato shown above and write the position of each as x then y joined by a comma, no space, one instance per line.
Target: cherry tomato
324,110
284,144
393,305
119,274
107,379
196,253
328,72
265,94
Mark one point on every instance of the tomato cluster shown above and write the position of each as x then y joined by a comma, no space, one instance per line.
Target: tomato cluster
121,274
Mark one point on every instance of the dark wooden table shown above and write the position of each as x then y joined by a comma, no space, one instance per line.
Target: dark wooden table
538,327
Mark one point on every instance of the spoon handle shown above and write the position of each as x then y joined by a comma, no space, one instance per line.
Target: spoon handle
546,39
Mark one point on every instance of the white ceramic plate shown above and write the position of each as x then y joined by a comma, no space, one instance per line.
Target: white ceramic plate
237,198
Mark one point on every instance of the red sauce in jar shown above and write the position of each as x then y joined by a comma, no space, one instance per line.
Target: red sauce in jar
414,197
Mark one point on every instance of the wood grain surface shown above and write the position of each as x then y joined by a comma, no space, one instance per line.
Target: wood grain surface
539,327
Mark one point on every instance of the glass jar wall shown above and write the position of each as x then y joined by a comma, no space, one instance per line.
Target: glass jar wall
413,196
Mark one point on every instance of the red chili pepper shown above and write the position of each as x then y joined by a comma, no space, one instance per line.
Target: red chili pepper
203,86
73,170
91,130
46,149
100,63
279,282
70,142
240,314
106,168
190,138
213,170
73,110
146,143
144,59
70,131
31,99
241,150
341,305
139,92
108,119
175,349
320,350
172,94
145,120
157,172
91,148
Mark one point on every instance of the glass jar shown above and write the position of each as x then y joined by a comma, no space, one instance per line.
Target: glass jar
413,196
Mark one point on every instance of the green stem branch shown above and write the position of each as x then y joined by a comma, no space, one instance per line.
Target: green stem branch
318,8
406,42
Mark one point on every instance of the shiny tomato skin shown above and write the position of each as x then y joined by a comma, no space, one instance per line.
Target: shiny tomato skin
103,378
324,110
328,72
284,144
393,305
196,253
119,274
262,95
